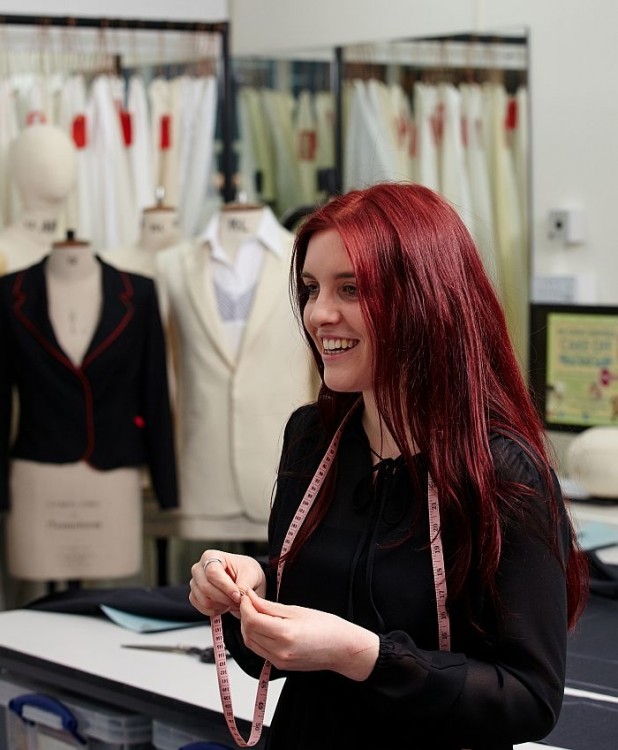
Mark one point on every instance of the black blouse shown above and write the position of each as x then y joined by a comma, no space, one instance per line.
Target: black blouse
363,563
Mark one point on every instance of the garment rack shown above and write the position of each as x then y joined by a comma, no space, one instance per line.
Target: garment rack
225,82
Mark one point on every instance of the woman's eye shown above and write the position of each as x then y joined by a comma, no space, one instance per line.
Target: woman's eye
311,290
350,290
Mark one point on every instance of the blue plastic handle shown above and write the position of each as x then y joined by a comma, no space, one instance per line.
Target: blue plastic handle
52,706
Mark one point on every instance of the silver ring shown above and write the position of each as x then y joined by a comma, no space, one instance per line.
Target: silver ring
206,563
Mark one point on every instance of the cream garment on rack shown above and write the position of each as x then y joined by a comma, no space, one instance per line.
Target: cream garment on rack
247,156
72,118
454,180
520,148
507,220
198,188
403,126
232,409
427,125
139,151
325,118
115,219
262,141
478,172
305,137
71,521
279,107
9,129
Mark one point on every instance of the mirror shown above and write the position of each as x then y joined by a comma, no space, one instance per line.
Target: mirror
451,113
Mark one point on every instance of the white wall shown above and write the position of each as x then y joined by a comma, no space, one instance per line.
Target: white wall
574,97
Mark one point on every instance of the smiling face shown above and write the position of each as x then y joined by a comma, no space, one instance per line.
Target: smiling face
333,316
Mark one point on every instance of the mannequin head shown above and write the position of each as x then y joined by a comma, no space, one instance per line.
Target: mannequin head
43,163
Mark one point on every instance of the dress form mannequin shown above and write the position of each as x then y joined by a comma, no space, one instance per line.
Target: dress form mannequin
159,229
81,522
225,302
43,163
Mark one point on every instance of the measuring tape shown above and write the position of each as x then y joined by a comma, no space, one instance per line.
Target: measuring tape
439,578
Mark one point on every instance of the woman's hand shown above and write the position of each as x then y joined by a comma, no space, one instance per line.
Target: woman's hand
301,639
218,578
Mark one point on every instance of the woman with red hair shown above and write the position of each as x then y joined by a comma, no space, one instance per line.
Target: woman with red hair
428,570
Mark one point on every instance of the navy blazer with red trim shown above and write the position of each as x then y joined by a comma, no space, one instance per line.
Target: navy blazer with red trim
113,410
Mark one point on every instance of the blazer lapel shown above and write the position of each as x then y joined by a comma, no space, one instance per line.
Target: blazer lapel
199,281
30,306
116,312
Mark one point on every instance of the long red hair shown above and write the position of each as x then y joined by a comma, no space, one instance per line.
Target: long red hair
445,373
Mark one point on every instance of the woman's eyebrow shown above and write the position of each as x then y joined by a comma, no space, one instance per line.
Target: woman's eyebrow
342,275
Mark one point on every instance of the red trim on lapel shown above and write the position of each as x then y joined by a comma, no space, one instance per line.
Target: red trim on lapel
20,298
125,297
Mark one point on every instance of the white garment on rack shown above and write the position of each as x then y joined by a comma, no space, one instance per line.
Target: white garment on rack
324,104
72,116
198,186
370,154
478,172
139,152
159,100
9,129
427,126
115,222
454,181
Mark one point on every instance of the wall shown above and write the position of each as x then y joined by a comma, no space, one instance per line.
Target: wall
574,107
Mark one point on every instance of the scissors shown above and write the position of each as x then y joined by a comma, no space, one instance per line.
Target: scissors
206,655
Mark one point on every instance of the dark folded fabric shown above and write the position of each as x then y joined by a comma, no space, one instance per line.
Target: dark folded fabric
163,602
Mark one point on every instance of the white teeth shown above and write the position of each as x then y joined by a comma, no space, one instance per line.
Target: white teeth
331,345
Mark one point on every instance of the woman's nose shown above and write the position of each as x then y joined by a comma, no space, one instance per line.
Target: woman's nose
324,310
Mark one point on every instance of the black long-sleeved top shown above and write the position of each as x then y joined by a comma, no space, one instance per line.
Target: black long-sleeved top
489,691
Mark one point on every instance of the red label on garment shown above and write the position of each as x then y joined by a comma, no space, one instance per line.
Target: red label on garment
437,123
126,127
511,115
139,422
36,117
307,145
166,132
78,131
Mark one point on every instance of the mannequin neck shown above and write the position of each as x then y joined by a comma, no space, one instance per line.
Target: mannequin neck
160,229
236,227
72,262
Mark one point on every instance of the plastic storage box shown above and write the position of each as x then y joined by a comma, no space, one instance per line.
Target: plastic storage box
39,716
171,737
